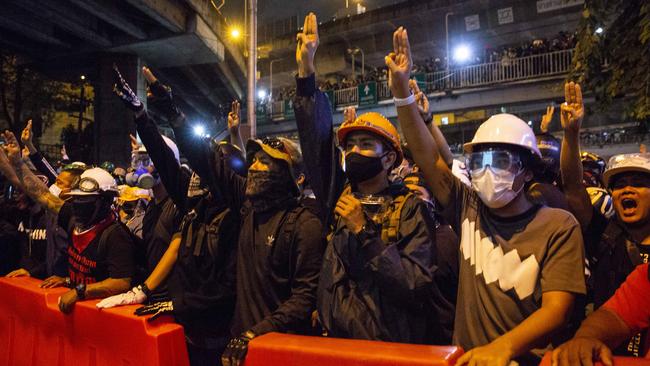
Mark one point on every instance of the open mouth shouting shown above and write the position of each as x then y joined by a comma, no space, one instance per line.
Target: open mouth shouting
629,206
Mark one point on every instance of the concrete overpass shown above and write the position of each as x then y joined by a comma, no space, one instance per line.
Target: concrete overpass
183,41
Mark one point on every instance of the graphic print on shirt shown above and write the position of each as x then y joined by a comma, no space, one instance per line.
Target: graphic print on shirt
488,259
34,234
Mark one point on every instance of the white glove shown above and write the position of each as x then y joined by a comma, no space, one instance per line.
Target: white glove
135,296
460,171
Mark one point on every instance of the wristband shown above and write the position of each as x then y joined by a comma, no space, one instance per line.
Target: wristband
401,102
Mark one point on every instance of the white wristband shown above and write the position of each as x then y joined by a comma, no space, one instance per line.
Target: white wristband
401,102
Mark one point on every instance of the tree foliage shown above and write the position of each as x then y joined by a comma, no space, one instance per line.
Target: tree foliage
616,62
25,93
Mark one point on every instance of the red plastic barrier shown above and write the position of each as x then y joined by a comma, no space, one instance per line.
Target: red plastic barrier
34,332
618,361
275,349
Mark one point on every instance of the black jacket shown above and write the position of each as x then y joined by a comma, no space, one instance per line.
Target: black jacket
368,289
276,278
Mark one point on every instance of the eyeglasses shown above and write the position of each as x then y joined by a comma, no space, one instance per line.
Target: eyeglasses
496,159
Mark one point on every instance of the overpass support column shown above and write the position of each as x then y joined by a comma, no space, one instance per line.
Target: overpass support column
113,121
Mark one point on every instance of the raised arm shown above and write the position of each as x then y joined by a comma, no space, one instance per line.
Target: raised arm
422,145
423,107
39,161
32,185
314,121
572,113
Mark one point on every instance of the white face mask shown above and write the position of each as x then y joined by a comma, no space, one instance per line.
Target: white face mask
494,186
55,190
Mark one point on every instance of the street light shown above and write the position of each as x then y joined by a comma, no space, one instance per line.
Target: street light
462,53
199,130
352,52
235,33
261,94
599,30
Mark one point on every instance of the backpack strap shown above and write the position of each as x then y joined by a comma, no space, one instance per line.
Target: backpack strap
287,231
390,226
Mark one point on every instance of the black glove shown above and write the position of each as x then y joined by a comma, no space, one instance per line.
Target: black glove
160,96
157,309
122,89
236,349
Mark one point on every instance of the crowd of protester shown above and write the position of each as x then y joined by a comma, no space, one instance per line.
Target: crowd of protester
359,235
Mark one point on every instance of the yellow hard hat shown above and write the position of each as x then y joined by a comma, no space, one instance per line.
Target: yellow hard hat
129,194
376,124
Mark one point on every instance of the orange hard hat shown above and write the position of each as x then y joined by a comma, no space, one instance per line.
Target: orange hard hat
376,124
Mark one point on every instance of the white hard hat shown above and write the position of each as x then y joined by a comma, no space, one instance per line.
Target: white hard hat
93,181
505,129
626,163
170,143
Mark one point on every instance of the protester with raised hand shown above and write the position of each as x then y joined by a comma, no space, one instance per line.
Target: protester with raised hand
547,118
199,262
377,276
616,245
521,264
39,161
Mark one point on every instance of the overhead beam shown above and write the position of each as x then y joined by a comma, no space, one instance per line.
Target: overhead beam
108,12
35,32
198,82
167,13
65,17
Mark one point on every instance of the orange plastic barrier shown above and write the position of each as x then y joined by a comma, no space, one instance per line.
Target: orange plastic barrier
618,361
34,332
275,349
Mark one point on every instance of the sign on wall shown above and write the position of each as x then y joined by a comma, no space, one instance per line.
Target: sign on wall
550,5
505,16
472,23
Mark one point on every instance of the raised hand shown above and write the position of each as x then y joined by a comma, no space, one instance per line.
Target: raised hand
160,95
135,145
420,99
399,64
307,45
122,89
234,118
349,114
572,110
27,137
547,118
12,147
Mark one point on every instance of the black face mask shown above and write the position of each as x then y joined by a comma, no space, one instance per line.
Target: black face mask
87,211
360,168
267,185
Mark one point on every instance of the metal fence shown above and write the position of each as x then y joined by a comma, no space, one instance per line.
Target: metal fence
481,75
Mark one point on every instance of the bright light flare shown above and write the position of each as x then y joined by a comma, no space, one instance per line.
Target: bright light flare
462,53
599,30
199,130
261,94
235,33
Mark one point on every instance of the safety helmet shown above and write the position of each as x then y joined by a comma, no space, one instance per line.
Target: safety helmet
549,147
601,200
376,124
130,194
593,167
75,166
95,181
170,143
108,166
278,148
506,129
638,162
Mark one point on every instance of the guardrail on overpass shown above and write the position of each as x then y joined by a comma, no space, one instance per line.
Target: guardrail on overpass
509,70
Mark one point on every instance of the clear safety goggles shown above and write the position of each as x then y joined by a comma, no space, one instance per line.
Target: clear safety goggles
496,159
